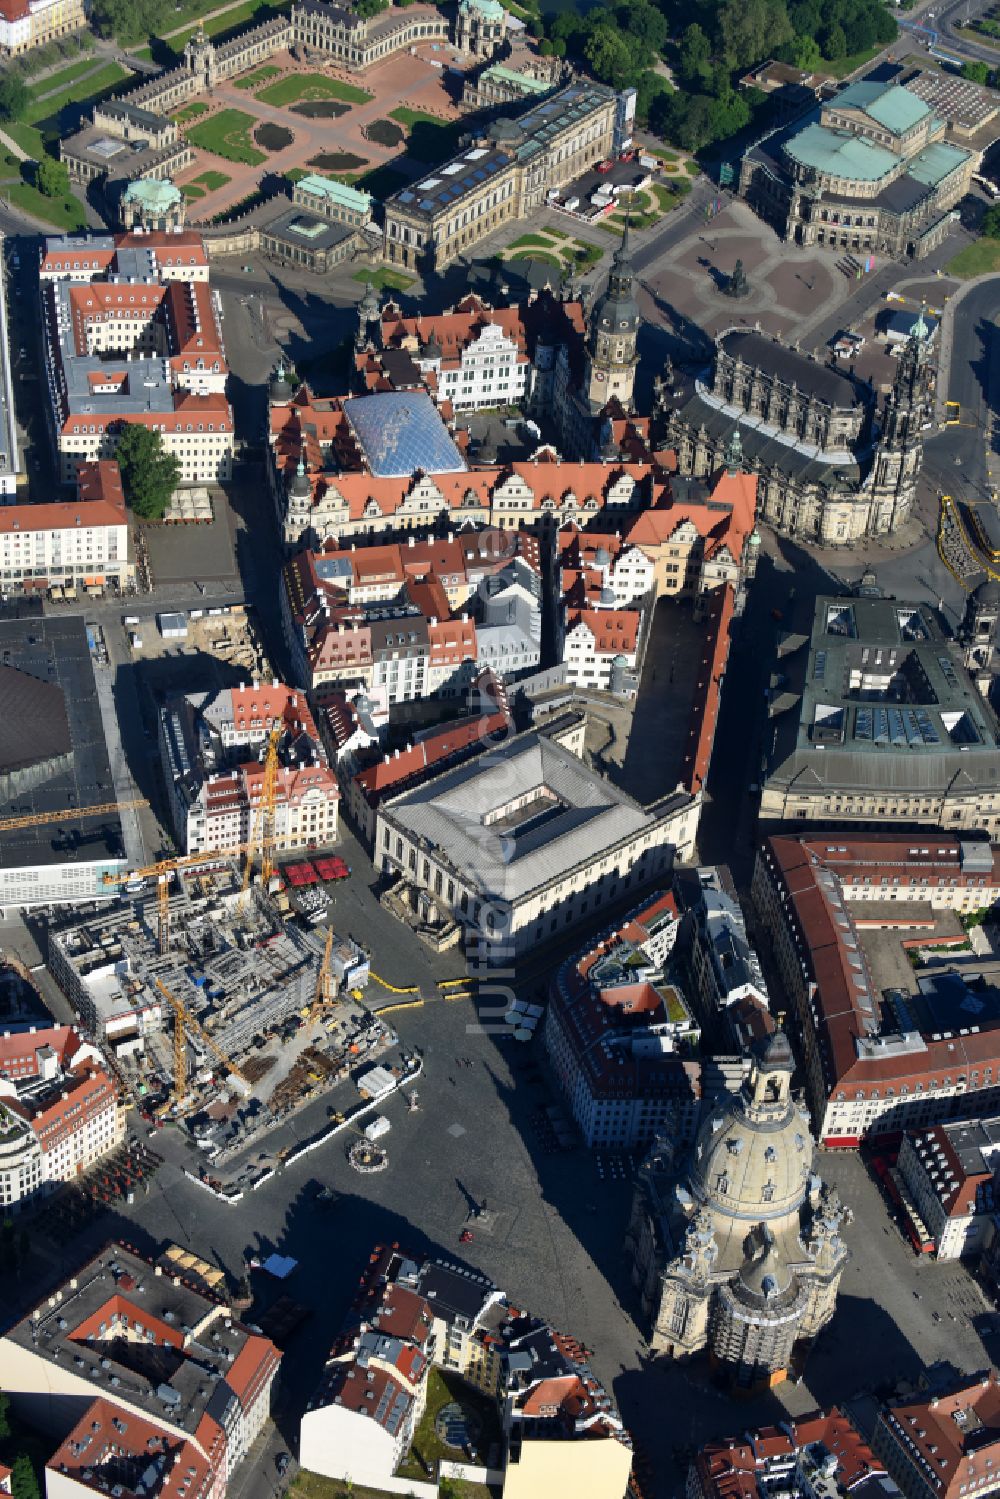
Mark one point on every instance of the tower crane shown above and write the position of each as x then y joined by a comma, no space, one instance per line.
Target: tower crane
184,1021
71,814
162,871
324,995
263,827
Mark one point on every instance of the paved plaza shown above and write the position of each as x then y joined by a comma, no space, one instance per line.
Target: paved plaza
555,1242
407,81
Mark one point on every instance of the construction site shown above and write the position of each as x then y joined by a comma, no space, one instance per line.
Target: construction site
215,1003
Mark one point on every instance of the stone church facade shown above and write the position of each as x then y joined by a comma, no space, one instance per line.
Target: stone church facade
834,465
736,1249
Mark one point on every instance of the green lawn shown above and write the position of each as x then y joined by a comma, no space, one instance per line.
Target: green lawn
845,65
585,254
543,255
385,279
976,260
441,1388
259,75
192,193
27,137
212,181
77,93
312,86
228,134
542,241
61,213
313,1486
410,117
226,20
295,174
190,112
65,76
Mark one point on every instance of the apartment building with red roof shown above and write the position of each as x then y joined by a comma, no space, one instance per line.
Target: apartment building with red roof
875,1063
948,1173
82,542
399,634
559,1425
132,335
60,1108
473,357
946,1443
602,587
816,1457
212,745
621,1037
179,256
176,1370
111,1450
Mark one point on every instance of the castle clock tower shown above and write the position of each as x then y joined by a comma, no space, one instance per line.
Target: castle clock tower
613,335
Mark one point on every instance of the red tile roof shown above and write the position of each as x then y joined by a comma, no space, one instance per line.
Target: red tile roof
111,1446
956,1436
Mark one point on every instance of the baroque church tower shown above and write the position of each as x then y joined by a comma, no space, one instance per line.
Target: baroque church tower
900,448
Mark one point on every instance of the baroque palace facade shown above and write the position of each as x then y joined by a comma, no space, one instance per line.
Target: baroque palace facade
833,465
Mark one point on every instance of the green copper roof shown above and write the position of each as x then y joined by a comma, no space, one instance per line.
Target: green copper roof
521,80
934,163
841,154
491,9
886,103
152,194
336,192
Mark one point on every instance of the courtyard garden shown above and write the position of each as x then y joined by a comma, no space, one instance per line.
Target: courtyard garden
206,182
556,248
257,78
385,279
310,87
646,207
385,133
271,137
455,1417
227,134
428,139
190,112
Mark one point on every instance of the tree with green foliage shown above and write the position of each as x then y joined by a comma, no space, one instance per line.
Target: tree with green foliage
14,97
149,473
644,24
52,177
609,57
649,88
366,9
694,54
23,1483
751,30
833,41
990,225
976,72
131,21
4,1416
